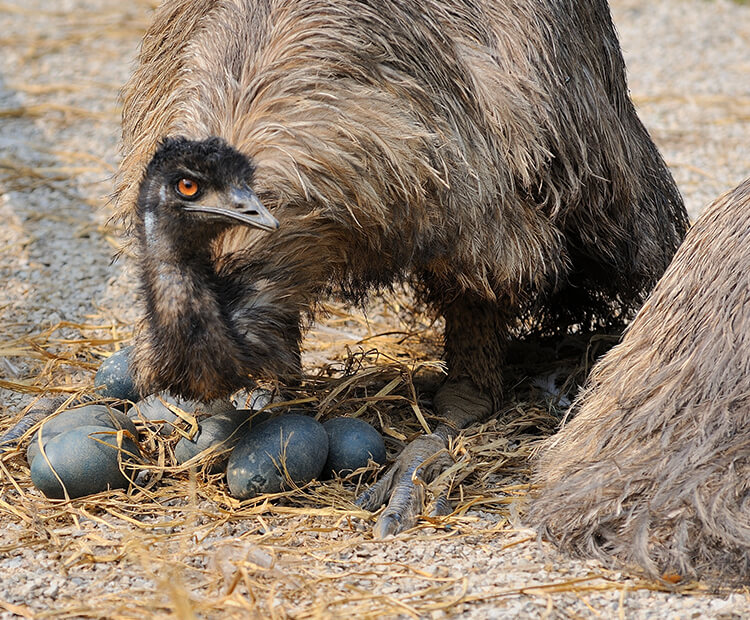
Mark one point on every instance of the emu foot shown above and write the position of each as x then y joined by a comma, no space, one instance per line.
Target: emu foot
423,460
418,465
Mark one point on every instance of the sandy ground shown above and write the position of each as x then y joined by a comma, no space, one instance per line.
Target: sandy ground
60,70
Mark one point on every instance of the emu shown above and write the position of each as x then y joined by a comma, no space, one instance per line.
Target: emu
485,151
654,470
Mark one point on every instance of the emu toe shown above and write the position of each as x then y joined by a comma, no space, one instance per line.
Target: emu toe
403,485
460,403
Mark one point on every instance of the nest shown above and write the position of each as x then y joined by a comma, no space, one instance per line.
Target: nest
306,552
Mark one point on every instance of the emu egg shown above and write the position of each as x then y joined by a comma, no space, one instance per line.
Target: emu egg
89,415
220,432
351,443
84,465
114,378
153,409
294,442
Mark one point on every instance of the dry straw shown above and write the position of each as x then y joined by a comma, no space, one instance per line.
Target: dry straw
188,548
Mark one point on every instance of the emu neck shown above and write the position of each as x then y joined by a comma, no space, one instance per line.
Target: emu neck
178,272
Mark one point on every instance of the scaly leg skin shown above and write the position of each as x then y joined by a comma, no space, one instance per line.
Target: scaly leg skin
475,336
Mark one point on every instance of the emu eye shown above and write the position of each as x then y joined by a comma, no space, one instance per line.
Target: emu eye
187,188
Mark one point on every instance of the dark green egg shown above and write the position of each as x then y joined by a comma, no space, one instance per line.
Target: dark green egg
154,410
114,379
88,415
256,465
83,463
351,443
221,432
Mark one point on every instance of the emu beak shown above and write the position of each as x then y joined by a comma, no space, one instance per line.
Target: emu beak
246,209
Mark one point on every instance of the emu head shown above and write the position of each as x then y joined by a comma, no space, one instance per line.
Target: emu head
201,187
206,323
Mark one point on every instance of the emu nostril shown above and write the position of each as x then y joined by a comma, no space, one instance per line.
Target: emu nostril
249,205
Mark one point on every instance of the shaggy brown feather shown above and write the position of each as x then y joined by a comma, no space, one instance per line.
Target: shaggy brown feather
654,470
482,147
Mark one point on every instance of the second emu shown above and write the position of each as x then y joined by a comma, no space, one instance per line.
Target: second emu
486,152
654,470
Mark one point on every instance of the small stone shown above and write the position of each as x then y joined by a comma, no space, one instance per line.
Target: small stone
114,379
88,415
83,463
52,590
292,442
351,444
221,432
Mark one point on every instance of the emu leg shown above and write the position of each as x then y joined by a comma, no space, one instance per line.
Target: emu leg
475,335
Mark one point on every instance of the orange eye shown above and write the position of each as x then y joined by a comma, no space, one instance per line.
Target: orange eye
187,188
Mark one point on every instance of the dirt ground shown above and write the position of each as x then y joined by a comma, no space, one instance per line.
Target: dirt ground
182,547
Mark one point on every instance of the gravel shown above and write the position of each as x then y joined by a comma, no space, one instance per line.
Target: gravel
61,68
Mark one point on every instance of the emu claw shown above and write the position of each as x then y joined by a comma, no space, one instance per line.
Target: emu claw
420,463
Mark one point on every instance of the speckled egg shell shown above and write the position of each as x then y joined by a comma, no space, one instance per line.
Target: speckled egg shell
114,379
153,409
221,432
255,465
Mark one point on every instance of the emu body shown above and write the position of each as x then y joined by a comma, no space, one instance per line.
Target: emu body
486,151
654,470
